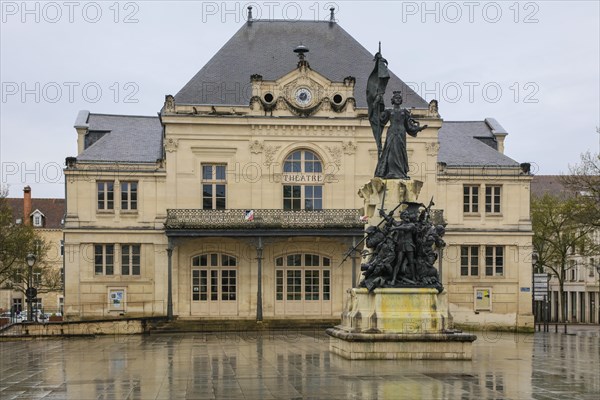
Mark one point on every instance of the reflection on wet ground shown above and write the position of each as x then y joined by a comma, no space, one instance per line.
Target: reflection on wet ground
292,365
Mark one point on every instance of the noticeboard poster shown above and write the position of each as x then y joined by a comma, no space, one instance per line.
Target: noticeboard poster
483,299
116,298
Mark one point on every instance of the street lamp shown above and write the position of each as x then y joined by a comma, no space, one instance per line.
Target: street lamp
31,292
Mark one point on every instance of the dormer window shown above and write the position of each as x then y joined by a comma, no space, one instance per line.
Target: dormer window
37,218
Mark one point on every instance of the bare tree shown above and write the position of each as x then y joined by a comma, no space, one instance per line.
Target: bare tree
16,240
557,234
584,181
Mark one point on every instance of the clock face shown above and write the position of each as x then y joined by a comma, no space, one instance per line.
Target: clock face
303,97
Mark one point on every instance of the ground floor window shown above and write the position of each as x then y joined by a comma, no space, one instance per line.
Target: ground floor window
303,284
573,306
214,284
592,308
555,316
17,305
582,317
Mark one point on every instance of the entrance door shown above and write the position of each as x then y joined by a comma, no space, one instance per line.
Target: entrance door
303,285
214,285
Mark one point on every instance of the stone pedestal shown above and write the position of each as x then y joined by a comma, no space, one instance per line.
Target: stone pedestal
410,310
410,323
396,191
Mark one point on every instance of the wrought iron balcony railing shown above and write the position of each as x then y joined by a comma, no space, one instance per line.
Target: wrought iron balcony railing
261,219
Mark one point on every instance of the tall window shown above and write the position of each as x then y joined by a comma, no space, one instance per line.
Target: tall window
130,259
302,277
106,195
573,268
492,199
37,220
104,259
305,170
214,277
129,195
37,278
470,199
213,187
494,260
469,260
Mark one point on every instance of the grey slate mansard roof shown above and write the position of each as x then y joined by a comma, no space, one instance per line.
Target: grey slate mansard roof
128,139
472,143
266,48
139,139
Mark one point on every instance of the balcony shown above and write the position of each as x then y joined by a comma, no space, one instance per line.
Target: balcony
263,219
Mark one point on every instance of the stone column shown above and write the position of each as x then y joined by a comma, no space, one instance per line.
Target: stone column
169,280
259,258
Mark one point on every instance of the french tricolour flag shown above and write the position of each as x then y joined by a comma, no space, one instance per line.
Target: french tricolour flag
249,215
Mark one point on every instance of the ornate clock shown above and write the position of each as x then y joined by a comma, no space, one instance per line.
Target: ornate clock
303,96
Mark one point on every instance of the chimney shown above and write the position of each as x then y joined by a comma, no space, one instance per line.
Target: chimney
27,205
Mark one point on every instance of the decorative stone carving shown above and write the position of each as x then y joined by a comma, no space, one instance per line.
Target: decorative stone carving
256,147
336,154
169,103
270,153
433,108
432,149
171,145
349,148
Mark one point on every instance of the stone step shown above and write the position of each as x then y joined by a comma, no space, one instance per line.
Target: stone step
229,325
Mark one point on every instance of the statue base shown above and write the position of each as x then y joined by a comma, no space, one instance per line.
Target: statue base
391,324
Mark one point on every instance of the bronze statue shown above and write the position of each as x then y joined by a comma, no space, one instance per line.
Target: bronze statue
403,252
376,85
393,161
383,256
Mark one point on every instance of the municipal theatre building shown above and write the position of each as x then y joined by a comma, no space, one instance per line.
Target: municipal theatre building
240,199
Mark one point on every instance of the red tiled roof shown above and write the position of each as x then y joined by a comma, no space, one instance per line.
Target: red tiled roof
549,184
53,210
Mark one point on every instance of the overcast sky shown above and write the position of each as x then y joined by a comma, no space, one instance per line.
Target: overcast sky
534,66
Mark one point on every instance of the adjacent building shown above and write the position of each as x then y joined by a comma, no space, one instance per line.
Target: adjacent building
581,294
239,200
46,216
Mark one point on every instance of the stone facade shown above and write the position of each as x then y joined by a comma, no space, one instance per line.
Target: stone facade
254,204
46,217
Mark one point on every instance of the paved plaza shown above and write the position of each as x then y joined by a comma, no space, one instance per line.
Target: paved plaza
294,365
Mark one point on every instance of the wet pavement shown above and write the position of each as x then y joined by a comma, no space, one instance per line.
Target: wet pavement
294,365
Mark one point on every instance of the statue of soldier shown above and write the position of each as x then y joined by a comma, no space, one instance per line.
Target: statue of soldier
405,232
379,267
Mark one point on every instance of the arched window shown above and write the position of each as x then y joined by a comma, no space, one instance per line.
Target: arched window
302,181
303,161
